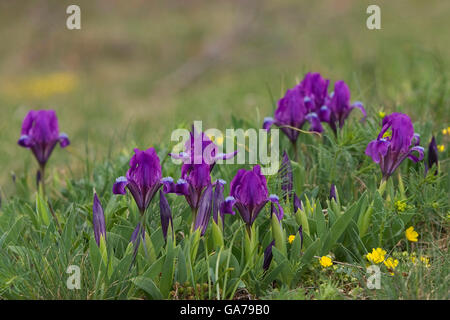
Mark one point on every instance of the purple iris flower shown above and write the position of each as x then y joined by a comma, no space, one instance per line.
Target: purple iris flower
249,195
395,142
300,232
98,220
40,133
297,203
199,158
299,105
192,183
199,149
432,156
316,88
333,192
268,256
143,179
275,207
337,109
218,200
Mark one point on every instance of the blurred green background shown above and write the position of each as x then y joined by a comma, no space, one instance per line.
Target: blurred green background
137,69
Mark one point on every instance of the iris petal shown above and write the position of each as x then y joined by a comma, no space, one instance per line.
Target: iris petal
119,185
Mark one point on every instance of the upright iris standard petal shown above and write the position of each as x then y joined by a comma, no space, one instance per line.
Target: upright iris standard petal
316,88
340,106
199,149
165,213
433,155
98,220
40,133
143,178
395,142
268,256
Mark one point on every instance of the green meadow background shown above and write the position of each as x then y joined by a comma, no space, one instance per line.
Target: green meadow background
139,69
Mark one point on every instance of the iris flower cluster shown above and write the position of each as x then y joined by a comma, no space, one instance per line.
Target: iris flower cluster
309,101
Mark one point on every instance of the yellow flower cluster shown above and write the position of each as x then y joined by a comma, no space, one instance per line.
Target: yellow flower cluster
400,206
291,238
391,263
446,131
423,259
381,114
411,234
441,148
45,86
325,261
376,256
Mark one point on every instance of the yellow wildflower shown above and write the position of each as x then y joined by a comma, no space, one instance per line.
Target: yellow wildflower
291,238
425,261
400,205
445,131
441,148
50,84
376,256
391,263
325,262
381,114
411,235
